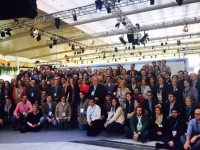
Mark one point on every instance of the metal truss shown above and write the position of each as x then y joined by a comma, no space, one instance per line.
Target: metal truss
66,14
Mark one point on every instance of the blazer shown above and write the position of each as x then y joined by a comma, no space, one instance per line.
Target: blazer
154,90
99,93
36,91
131,88
168,83
134,122
9,93
165,91
165,69
15,92
69,93
166,108
5,114
154,102
130,107
45,109
58,92
178,92
116,115
59,110
109,89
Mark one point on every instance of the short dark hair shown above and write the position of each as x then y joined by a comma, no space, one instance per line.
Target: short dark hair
138,89
171,93
164,61
158,61
168,73
92,99
181,71
176,109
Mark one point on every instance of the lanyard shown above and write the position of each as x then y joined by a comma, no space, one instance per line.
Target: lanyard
188,111
129,107
32,89
92,111
24,106
121,92
160,90
63,107
113,111
176,124
108,106
139,120
6,91
56,88
95,87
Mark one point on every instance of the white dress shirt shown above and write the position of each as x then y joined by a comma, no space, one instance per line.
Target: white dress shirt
93,113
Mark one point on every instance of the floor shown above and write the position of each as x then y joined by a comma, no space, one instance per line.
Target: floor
53,139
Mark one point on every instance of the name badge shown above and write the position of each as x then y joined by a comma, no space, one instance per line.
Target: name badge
6,96
120,99
190,117
19,95
108,113
55,94
63,115
24,112
174,133
139,127
48,82
92,94
114,93
128,115
108,91
160,125
32,94
50,113
81,110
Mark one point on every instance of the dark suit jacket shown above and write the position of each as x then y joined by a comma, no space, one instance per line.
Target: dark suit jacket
168,83
167,107
131,89
154,102
99,93
178,92
154,90
146,78
4,114
36,93
165,91
58,93
45,109
109,89
69,92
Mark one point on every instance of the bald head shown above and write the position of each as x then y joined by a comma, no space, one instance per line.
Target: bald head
193,77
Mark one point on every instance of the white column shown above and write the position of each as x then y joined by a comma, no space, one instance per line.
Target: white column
179,56
17,62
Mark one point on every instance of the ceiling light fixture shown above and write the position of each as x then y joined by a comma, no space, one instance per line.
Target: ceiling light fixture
133,47
185,29
108,10
74,15
38,38
57,22
54,42
3,35
117,25
178,42
137,25
152,2
50,47
73,47
99,5
180,2
8,30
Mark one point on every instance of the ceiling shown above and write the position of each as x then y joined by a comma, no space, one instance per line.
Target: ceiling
167,16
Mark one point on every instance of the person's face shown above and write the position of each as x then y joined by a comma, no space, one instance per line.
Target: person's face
186,84
8,101
94,81
180,75
149,96
143,73
151,80
24,99
114,103
174,77
81,95
143,83
52,82
0,85
121,84
133,81
171,98
43,94
19,82
35,109
100,79
175,113
33,82
71,81
136,91
108,79
185,73
83,81
108,97
27,82
193,77
159,63
128,97
197,114
158,111
6,84
174,83
63,99
188,102
167,76
91,103
56,82
163,62
139,111
118,80
160,80
49,99
132,66
63,81
153,63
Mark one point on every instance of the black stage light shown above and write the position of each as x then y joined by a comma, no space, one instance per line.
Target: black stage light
38,38
73,47
178,42
57,22
74,15
8,31
82,50
140,53
152,2
161,44
116,50
180,2
108,10
185,29
3,35
117,25
138,25
164,51
50,47
99,5
129,47
133,47
165,43
54,42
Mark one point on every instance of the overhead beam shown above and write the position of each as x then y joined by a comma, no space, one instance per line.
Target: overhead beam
110,16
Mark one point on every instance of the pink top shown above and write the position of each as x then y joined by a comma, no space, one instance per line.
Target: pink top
21,107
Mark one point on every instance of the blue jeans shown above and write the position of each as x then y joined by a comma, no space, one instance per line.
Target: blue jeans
11,120
168,138
45,122
194,146
129,133
63,125
74,107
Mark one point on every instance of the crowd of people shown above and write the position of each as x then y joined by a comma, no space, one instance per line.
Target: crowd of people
147,104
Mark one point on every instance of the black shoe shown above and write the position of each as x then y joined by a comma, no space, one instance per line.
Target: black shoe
158,145
72,127
16,129
47,127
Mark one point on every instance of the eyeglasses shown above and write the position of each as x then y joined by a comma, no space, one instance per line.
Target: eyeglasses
196,114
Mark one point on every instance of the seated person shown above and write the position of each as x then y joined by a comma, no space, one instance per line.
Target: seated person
115,118
82,110
63,114
22,110
6,113
138,96
177,128
138,126
191,140
94,121
158,124
130,106
48,112
189,109
33,121
149,104
107,104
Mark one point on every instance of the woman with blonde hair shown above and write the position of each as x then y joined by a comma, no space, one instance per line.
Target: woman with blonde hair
189,109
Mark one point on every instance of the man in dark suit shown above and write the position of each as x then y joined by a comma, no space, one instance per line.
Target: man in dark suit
132,67
33,92
144,76
171,103
168,81
48,112
149,104
195,82
48,76
97,91
133,85
109,86
56,91
181,78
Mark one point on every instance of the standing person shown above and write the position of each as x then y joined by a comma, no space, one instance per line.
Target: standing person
82,110
7,91
177,90
191,140
109,86
133,84
63,114
107,104
189,109
84,87
115,118
44,87
195,82
181,78
56,91
1,93
144,88
153,87
94,121
138,96
72,94
33,92
18,91
164,67
138,126
132,68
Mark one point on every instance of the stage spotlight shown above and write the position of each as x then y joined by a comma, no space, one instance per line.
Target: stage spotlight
129,47
99,5
178,42
80,58
185,29
3,35
165,43
116,50
73,47
180,2
38,38
164,51
143,57
133,47
140,53
57,22
117,25
91,61
8,31
152,47
124,22
82,50
138,26
74,15
54,42
152,2
50,47
108,10
144,38
161,44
